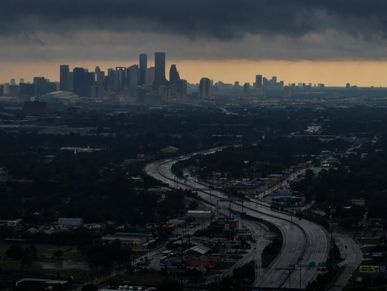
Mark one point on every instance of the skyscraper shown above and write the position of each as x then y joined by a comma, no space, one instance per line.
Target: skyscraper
174,75
182,87
111,79
40,86
26,90
122,79
205,88
64,78
132,75
97,89
82,82
150,76
246,88
142,70
159,69
99,76
258,81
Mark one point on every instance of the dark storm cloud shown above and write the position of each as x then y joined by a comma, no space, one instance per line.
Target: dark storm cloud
222,19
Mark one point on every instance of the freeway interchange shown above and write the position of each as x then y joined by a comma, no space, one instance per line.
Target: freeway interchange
305,244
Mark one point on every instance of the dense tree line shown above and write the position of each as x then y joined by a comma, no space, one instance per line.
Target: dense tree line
96,186
270,155
360,175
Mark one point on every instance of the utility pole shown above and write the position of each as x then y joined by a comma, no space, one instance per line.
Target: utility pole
300,277
293,268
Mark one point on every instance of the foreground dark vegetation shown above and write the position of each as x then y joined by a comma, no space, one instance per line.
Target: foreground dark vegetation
96,174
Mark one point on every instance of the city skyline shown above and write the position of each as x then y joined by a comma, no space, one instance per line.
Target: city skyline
181,145
230,71
302,41
148,84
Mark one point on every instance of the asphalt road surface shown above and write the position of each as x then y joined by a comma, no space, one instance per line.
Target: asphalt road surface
352,257
304,243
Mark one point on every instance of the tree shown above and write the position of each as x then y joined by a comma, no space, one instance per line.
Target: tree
245,273
15,252
58,254
25,255
170,286
29,255
89,287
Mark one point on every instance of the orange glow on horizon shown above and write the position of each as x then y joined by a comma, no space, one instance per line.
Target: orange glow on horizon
332,73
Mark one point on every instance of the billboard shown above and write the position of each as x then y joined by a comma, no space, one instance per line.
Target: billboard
369,269
364,269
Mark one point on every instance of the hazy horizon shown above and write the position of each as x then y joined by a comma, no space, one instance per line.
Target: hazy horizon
331,73
299,41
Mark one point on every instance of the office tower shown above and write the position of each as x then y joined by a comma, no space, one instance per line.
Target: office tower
1,90
246,88
159,69
132,76
110,80
89,82
40,86
205,88
121,79
52,86
97,91
13,82
26,90
78,82
64,78
82,82
71,81
6,89
14,90
288,91
258,81
174,75
150,76
99,76
182,87
143,68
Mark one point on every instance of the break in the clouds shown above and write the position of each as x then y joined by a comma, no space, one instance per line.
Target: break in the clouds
276,29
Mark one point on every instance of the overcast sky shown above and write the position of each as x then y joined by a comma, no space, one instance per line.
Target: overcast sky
85,30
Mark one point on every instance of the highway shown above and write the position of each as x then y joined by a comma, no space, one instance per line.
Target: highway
304,243
352,257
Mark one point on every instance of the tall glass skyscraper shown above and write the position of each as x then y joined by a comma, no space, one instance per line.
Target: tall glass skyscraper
132,75
159,68
142,69
82,82
174,75
205,88
64,78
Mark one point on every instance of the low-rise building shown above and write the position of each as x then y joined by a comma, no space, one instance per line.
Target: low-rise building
10,223
42,284
3,175
199,214
135,241
70,222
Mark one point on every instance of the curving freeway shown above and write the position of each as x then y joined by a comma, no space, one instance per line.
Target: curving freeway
305,244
